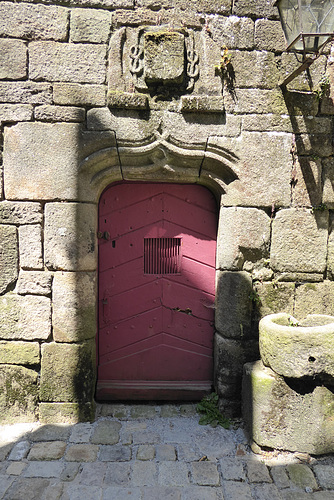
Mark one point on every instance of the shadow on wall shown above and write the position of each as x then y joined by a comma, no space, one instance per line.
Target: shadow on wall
311,149
236,339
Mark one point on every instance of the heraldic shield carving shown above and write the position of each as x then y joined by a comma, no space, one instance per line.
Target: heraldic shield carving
164,57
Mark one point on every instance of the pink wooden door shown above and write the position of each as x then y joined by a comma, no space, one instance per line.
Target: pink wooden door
156,291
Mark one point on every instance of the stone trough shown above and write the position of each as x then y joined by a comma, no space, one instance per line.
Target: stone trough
288,396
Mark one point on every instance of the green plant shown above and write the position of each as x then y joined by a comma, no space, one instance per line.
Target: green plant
211,415
322,86
319,208
254,296
224,61
293,321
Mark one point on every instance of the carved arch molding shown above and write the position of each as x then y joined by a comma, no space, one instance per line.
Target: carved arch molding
160,158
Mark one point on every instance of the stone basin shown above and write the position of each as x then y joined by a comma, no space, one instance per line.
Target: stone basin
298,349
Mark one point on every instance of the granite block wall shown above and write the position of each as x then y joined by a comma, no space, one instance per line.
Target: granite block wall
85,102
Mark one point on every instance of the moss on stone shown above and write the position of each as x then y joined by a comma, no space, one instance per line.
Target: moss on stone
70,413
68,372
18,397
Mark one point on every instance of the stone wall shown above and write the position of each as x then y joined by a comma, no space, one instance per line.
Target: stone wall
84,102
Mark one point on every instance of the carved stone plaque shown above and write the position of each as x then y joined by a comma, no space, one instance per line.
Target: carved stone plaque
164,57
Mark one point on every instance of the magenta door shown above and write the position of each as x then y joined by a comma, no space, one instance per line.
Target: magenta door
156,291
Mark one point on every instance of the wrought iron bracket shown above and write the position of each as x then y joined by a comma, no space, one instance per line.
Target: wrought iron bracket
307,61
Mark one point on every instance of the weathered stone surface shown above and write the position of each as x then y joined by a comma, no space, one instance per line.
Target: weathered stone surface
302,476
19,20
307,182
66,413
19,353
34,282
30,242
24,317
18,396
82,453
257,8
299,278
106,4
48,113
244,233
196,129
233,32
269,167
135,18
68,372
20,212
45,176
270,101
73,313
51,433
76,94
15,112
25,92
19,451
296,351
299,241
257,472
47,450
269,36
307,81
13,59
70,236
254,69
145,452
273,297
20,487
52,61
140,17
106,432
205,473
328,188
314,298
301,103
325,475
127,100
90,26
8,256
278,123
314,144
209,6
278,416
327,100
206,104
163,56
229,357
330,253
233,315
132,125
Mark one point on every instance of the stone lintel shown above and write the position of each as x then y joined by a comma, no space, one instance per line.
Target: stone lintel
203,104
127,100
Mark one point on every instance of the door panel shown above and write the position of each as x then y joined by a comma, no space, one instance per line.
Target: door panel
156,291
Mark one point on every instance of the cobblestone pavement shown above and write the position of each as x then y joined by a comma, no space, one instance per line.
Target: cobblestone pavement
145,452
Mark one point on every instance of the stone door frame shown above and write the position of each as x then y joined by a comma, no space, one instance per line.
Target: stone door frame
211,167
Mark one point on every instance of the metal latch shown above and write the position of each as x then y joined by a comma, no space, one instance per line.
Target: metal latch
103,235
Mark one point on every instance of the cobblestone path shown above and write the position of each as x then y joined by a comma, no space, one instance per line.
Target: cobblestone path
145,452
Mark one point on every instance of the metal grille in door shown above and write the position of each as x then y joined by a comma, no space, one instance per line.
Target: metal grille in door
162,255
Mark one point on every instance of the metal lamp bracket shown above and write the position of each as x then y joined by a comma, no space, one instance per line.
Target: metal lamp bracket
307,60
